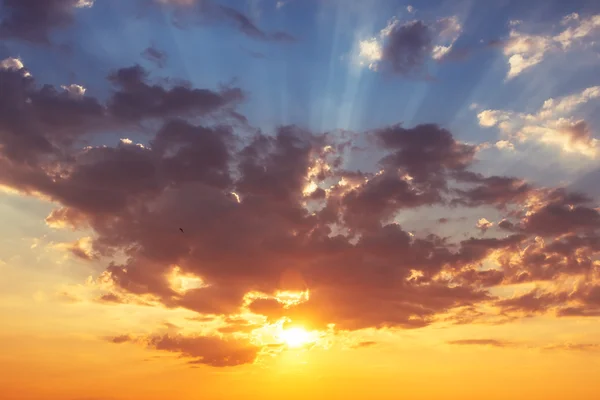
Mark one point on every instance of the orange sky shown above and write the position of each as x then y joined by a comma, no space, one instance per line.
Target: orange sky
52,347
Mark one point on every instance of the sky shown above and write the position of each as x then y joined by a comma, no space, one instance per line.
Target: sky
299,198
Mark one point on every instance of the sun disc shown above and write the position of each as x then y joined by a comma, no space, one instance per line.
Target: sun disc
295,337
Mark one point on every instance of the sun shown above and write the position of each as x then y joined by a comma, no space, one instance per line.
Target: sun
295,337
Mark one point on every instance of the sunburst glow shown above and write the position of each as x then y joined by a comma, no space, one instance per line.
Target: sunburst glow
296,337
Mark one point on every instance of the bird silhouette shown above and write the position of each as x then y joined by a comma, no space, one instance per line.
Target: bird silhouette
181,229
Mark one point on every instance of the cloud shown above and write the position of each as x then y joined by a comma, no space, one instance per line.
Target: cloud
448,31
494,190
503,344
504,145
574,346
525,50
41,120
207,12
33,20
579,300
155,56
135,98
405,48
552,125
208,350
279,224
75,91
80,248
480,342
361,345
483,225
37,120
13,64
120,339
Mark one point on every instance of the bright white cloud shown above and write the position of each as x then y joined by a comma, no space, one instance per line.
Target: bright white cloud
526,50
448,31
76,91
13,64
370,52
84,3
505,145
483,224
489,118
552,125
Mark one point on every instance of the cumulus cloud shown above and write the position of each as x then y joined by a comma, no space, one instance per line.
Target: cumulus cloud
525,50
38,121
185,176
553,124
404,48
279,225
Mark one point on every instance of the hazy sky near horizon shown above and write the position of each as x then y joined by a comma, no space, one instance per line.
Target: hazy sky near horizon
280,199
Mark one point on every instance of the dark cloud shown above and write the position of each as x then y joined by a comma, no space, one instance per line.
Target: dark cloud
533,302
495,190
38,120
415,172
246,26
33,20
136,99
555,219
155,56
425,152
211,351
120,339
208,350
207,12
553,213
45,122
481,342
407,48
